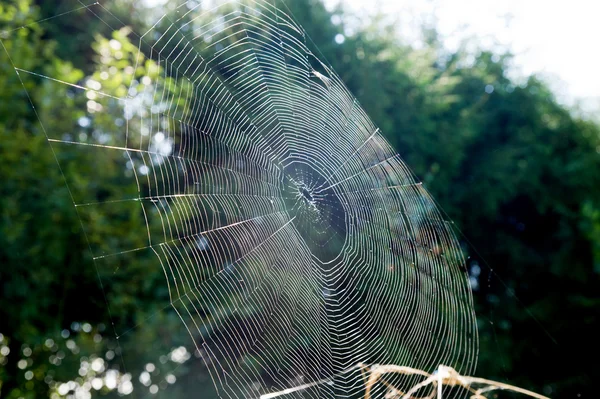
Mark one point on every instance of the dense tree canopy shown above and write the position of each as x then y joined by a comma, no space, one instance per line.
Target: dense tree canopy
513,168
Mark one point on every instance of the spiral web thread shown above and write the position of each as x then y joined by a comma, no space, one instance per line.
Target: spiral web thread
294,242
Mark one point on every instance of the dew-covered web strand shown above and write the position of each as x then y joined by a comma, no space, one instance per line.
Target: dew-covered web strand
141,40
125,149
274,290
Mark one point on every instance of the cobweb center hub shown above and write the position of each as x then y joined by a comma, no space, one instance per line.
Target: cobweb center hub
306,194
319,216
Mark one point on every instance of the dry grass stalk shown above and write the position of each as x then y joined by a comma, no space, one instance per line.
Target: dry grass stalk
443,376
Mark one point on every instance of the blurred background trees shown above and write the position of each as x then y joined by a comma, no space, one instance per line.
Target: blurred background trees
513,168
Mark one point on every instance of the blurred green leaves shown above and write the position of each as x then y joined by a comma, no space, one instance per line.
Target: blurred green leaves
515,169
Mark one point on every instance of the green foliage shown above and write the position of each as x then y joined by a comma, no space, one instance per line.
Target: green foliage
46,264
513,168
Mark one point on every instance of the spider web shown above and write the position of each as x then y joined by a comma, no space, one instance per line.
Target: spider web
295,243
